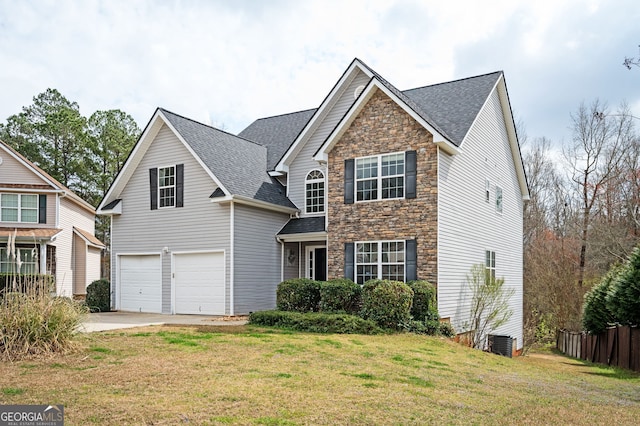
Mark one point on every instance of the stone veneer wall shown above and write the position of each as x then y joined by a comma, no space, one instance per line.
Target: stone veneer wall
383,127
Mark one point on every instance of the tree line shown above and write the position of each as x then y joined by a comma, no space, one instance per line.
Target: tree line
84,154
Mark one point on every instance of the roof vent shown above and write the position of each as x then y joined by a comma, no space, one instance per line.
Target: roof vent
358,91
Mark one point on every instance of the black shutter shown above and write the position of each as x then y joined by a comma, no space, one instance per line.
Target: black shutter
411,266
42,209
348,261
410,174
153,187
179,185
348,181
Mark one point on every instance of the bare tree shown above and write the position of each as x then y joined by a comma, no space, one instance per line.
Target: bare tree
599,145
629,62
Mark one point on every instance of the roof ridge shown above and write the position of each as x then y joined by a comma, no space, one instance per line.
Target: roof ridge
209,126
454,81
284,114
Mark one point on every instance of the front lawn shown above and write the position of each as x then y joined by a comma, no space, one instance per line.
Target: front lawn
250,375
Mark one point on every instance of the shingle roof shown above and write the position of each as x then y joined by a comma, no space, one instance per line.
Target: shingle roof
239,164
277,133
454,105
303,225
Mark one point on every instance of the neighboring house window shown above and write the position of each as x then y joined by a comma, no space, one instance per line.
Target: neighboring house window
167,186
383,260
28,261
490,263
314,188
498,199
19,208
380,177
487,190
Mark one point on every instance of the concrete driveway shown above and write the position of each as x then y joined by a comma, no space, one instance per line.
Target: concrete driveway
104,321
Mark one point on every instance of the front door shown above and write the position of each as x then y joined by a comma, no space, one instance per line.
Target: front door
316,263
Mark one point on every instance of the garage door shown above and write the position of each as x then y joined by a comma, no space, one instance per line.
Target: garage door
199,283
141,283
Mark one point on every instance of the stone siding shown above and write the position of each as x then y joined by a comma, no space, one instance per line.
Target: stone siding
383,127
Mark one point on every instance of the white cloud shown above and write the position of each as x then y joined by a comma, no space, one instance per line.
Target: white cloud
232,62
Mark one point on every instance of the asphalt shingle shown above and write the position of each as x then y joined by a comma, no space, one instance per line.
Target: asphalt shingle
303,225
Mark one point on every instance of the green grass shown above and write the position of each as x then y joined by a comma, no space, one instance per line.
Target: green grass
258,376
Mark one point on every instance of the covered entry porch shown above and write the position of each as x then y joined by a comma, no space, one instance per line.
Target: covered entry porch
304,249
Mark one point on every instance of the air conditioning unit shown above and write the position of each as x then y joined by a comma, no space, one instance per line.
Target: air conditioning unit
501,345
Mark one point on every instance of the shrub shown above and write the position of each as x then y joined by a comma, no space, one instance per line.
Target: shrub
447,330
299,295
34,323
340,295
425,306
623,299
99,296
596,316
315,322
387,303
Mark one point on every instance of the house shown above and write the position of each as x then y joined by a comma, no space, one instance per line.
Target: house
52,227
375,182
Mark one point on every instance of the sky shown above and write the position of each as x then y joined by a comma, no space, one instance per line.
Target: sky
227,63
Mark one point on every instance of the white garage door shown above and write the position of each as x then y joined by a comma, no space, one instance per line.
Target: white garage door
199,283
141,283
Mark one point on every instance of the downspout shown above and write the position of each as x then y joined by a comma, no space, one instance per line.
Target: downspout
231,261
281,258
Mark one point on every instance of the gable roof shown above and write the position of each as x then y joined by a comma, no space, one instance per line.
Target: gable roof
236,165
277,133
51,183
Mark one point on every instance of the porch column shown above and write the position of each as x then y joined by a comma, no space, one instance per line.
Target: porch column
43,259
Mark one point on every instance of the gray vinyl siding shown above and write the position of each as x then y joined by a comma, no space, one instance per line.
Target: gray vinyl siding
257,258
468,225
303,162
199,225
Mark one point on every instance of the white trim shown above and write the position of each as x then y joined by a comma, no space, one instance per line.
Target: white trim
173,272
352,113
240,199
118,278
231,257
116,210
309,236
86,241
309,249
20,208
379,263
308,181
379,177
328,103
175,186
29,166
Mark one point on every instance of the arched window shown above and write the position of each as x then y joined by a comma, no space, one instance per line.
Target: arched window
314,192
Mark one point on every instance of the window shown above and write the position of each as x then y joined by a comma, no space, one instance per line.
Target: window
19,208
28,261
167,186
380,177
490,263
383,260
314,186
498,199
487,190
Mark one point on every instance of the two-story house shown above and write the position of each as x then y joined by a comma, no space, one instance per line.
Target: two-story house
51,228
374,183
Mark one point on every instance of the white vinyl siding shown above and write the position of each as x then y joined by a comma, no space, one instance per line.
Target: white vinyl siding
19,172
304,162
200,226
467,224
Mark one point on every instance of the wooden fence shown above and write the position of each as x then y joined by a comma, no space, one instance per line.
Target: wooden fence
618,346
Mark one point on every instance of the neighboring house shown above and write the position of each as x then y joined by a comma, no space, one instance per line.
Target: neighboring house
375,183
53,228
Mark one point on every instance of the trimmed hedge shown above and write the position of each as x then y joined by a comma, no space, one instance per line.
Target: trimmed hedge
387,303
425,306
298,295
315,322
340,295
99,296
